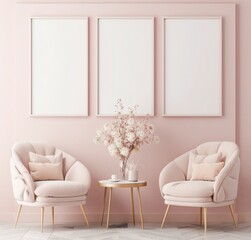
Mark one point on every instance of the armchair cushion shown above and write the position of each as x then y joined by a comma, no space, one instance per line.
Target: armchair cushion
194,157
38,158
206,171
46,171
189,189
59,189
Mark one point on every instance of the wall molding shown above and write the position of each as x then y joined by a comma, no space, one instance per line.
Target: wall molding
114,2
91,2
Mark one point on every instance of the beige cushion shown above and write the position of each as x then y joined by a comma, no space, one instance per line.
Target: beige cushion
189,189
194,157
46,167
46,171
38,158
60,189
206,171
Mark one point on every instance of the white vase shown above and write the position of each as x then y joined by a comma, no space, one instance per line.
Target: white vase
132,175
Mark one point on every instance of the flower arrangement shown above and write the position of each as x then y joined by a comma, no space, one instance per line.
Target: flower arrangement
125,135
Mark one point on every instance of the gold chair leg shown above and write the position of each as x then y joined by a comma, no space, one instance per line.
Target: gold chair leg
201,221
232,213
18,214
42,219
164,218
52,216
83,211
205,219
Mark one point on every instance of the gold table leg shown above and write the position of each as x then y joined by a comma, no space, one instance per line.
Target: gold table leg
201,216
42,218
140,209
133,214
109,208
232,213
18,214
102,220
52,216
164,218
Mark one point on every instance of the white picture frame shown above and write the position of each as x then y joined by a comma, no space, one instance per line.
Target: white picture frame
125,64
192,66
59,66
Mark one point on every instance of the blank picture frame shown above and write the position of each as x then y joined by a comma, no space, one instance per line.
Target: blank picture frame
59,66
125,64
192,66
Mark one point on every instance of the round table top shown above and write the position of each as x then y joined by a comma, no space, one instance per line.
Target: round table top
122,183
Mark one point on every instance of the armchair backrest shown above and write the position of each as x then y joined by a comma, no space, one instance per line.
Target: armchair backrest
229,151
226,148
176,170
20,152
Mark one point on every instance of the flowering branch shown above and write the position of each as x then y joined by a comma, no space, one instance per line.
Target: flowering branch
125,135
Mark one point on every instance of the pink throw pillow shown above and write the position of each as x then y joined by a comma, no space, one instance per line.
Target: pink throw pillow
46,167
206,171
194,157
46,171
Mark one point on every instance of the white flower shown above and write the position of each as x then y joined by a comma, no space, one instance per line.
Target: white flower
118,142
106,127
130,136
112,149
115,133
131,122
124,151
141,134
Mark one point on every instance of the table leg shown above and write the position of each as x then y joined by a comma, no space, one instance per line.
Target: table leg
133,214
140,209
201,221
109,207
103,206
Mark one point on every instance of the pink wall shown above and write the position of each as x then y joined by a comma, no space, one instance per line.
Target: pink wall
7,102
75,134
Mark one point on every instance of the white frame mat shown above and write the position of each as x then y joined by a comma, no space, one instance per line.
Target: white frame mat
192,66
125,64
59,66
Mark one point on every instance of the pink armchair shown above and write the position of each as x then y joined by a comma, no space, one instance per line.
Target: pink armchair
177,190
72,190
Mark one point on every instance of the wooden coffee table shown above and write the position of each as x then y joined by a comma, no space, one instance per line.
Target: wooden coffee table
107,184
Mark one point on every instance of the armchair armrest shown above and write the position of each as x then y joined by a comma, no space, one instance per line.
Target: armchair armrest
170,173
23,185
226,183
79,173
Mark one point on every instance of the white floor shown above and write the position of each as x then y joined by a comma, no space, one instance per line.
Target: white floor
152,231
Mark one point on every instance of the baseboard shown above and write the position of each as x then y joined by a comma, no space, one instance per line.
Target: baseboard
116,217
